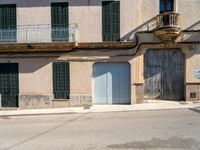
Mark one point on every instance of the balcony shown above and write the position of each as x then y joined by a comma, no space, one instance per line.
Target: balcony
168,26
39,38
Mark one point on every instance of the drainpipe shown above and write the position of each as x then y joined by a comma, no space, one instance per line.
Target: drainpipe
138,44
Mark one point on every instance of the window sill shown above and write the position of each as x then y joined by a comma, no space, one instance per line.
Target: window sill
60,99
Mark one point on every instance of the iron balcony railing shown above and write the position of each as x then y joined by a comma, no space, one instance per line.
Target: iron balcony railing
168,19
39,34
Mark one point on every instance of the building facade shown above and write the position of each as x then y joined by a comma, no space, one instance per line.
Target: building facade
61,53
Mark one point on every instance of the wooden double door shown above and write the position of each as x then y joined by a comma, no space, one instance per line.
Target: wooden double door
164,74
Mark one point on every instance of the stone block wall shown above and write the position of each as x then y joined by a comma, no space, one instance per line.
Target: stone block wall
48,101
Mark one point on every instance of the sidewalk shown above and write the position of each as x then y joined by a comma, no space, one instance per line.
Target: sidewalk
150,105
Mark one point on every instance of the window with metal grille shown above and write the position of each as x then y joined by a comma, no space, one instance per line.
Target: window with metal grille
59,22
166,5
111,20
61,80
8,23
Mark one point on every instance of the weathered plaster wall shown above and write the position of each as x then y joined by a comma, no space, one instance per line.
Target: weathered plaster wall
135,15
190,16
81,77
36,82
188,10
86,13
149,9
192,65
130,18
34,75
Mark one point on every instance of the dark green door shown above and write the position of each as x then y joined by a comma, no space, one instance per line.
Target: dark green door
9,84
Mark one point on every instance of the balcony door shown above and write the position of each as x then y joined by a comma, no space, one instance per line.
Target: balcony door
59,22
111,21
8,23
166,6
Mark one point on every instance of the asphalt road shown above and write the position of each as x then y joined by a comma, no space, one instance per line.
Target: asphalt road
142,130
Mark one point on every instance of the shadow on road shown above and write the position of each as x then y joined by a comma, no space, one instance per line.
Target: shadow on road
196,109
4,117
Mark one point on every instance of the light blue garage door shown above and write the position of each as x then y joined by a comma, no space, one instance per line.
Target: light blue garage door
111,83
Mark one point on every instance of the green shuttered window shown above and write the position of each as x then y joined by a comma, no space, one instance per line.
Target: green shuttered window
61,82
8,23
59,22
111,20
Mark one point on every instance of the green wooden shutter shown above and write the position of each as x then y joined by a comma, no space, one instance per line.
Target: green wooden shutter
61,82
115,21
8,23
13,84
106,21
59,22
111,20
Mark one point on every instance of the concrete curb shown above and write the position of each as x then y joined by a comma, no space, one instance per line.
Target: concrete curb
102,109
